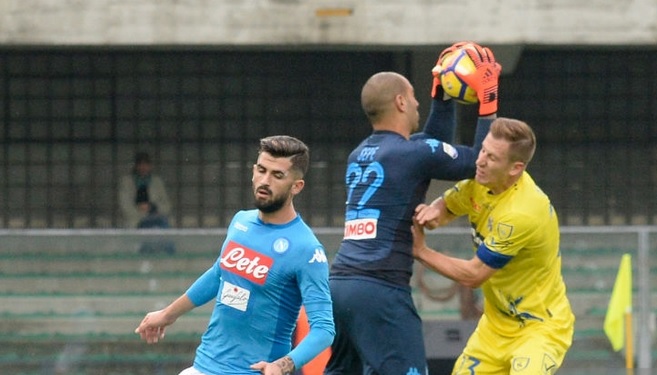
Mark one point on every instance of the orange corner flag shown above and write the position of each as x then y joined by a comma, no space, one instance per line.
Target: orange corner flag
620,304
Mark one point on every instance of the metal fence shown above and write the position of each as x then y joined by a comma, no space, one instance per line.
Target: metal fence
47,277
71,120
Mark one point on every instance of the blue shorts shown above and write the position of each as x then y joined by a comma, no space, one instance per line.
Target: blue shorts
378,329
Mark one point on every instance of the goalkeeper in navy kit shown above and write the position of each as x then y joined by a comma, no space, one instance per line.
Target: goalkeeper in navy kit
378,329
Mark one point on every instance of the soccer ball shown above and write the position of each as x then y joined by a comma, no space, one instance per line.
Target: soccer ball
452,83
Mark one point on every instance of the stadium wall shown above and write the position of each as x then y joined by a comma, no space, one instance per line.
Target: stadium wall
363,23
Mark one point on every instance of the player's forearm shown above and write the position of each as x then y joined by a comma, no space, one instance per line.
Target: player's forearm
320,337
483,126
441,122
311,346
455,269
178,308
286,365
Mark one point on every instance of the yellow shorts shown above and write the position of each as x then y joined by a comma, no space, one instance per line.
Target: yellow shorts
537,351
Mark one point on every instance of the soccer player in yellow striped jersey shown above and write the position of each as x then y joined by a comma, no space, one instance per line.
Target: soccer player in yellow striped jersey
527,324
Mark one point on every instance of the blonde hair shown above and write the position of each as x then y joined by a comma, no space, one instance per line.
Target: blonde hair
521,138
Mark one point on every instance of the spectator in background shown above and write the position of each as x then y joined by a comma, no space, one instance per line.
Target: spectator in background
143,197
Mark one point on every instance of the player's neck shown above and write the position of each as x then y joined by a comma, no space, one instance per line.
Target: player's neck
286,214
506,185
395,127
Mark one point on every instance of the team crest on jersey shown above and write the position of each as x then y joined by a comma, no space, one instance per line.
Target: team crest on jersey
520,363
246,263
504,230
450,150
281,245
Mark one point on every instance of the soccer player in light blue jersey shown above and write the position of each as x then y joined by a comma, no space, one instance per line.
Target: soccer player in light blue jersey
270,264
378,329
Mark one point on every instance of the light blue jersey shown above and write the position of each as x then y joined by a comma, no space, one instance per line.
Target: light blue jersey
264,274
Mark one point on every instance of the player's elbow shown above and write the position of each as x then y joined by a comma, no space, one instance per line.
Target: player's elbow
474,280
473,283
476,273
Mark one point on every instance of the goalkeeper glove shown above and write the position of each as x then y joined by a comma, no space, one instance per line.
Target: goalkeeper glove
485,79
436,90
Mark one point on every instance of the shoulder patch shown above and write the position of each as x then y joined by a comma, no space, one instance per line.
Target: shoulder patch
450,150
504,230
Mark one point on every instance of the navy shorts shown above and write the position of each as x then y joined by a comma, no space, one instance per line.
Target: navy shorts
378,329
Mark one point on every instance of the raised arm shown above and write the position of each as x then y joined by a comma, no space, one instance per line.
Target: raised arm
441,122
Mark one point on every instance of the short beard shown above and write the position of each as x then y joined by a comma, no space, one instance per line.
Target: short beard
271,206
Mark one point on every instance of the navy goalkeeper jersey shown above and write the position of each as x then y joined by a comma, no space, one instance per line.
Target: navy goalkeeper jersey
387,176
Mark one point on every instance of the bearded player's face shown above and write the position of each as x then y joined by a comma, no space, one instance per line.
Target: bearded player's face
272,182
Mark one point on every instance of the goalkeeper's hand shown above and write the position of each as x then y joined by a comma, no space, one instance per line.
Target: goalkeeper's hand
485,79
436,90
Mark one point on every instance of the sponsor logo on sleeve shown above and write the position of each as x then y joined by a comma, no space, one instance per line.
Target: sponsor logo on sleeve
450,150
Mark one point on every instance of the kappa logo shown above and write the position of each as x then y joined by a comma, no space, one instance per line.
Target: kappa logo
433,143
246,263
319,256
